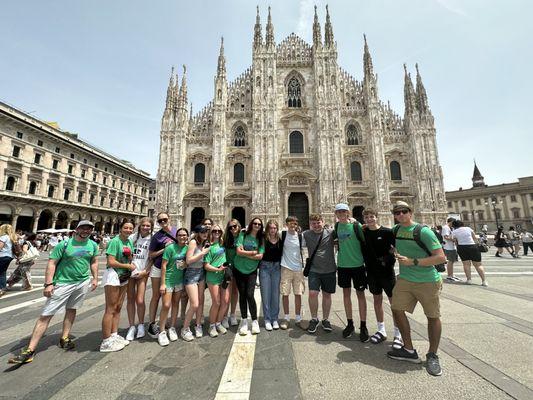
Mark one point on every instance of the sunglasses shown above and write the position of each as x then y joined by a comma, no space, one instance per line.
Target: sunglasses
401,212
216,231
257,224
232,226
162,220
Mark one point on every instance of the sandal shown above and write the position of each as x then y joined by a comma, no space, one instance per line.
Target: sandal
397,343
377,338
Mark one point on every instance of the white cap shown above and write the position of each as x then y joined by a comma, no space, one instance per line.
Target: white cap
342,207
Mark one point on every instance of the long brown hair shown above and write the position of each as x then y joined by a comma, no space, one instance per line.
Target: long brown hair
267,228
260,234
229,239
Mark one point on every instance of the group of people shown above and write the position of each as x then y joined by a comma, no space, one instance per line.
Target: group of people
228,260
511,241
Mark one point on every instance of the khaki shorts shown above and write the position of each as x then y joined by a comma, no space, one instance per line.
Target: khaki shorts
294,279
406,294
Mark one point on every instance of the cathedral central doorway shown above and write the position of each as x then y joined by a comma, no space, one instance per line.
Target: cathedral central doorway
239,214
299,207
357,213
197,215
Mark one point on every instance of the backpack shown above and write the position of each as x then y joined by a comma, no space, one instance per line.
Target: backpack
416,238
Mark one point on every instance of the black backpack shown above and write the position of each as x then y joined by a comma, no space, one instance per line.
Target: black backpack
416,238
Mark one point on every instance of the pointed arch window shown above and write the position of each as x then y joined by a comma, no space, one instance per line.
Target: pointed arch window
395,171
239,137
294,93
10,183
238,173
199,173
296,142
33,187
352,135
355,171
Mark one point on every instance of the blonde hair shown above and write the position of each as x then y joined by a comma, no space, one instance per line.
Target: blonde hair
267,228
8,230
220,237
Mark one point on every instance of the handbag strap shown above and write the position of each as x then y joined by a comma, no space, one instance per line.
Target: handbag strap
169,235
316,248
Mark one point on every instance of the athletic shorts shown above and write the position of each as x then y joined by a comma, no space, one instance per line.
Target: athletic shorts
327,282
356,275
294,279
407,294
469,252
155,272
379,283
69,296
110,278
193,276
451,255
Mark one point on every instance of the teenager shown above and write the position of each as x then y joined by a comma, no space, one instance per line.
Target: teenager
250,249
171,287
194,280
137,284
270,275
233,228
214,265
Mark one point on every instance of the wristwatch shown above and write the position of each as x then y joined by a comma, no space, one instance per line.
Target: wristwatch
48,284
415,261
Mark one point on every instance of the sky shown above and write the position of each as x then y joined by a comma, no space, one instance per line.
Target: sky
100,68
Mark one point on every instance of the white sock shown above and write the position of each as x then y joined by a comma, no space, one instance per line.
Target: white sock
381,328
287,317
216,324
410,351
397,332
298,318
113,334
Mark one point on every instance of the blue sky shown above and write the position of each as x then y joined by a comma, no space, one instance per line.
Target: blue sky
100,68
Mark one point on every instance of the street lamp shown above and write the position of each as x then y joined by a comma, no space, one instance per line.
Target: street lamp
493,202
473,212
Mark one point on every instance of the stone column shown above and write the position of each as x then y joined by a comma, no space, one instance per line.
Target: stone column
35,222
14,219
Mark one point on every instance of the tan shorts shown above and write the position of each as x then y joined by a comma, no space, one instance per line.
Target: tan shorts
406,294
294,279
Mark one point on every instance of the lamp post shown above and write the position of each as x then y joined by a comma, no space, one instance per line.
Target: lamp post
493,202
474,218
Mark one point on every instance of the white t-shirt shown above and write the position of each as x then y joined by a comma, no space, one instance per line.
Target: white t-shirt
448,244
463,235
291,257
140,251
53,241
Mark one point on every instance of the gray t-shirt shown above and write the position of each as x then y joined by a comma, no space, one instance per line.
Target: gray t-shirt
7,250
324,261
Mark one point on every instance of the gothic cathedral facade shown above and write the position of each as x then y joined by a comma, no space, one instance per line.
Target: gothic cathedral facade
296,134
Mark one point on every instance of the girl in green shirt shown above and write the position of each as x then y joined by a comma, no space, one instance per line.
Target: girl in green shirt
233,228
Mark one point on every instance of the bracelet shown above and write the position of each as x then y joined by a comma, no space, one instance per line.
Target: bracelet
47,284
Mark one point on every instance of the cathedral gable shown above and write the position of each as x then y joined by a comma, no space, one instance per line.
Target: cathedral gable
294,51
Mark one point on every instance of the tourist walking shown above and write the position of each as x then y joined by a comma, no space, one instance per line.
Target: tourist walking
214,264
194,280
468,249
514,240
250,249
233,228
322,271
417,251
159,241
71,271
23,270
8,243
450,251
171,287
500,242
527,241
115,280
351,269
270,275
137,284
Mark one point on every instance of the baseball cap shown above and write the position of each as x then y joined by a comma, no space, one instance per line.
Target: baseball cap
200,229
342,207
85,222
401,205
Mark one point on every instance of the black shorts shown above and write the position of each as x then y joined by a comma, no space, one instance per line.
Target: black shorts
379,283
469,252
326,282
355,275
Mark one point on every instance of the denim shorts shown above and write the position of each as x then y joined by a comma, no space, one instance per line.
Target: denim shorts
193,275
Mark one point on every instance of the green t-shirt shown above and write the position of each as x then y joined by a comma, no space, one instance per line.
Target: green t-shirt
174,254
409,248
231,252
74,264
117,248
245,264
350,254
215,257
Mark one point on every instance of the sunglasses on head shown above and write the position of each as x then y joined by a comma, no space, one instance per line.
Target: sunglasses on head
401,212
162,220
216,231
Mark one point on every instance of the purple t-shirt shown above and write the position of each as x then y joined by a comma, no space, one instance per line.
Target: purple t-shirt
158,242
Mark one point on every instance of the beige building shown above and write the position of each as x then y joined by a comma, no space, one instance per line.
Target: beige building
508,204
52,179
296,133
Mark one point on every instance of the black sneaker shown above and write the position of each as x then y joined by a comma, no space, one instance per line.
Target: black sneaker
67,343
326,325
433,365
403,355
153,330
348,331
363,334
313,324
25,356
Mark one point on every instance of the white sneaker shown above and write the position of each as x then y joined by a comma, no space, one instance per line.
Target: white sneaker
187,335
469,281
221,329
268,326
111,345
255,327
225,322
485,283
275,325
120,339
131,333
213,331
140,331
172,334
199,331
162,339
243,329
233,320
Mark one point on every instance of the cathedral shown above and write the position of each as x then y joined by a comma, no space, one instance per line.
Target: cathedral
295,134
